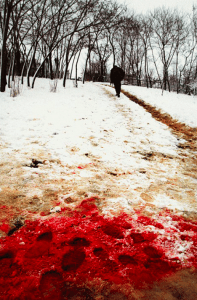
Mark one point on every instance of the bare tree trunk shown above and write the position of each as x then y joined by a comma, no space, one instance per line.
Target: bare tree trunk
76,66
146,68
7,12
30,66
177,77
38,69
17,61
86,62
57,65
23,70
50,65
72,66
13,64
155,65
65,74
10,70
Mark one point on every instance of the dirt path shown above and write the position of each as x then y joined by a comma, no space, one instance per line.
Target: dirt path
187,152
182,185
36,185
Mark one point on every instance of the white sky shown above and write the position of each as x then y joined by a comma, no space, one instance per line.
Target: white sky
143,6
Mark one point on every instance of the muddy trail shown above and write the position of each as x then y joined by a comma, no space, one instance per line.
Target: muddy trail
180,129
93,230
181,186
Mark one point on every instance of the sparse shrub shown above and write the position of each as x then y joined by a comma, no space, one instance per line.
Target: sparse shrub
53,85
16,87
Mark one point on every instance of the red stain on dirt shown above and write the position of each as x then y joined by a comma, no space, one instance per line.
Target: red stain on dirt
53,258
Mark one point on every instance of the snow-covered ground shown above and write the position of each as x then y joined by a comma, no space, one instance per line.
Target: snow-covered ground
179,106
106,141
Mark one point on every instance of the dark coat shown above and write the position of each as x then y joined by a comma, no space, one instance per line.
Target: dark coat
117,74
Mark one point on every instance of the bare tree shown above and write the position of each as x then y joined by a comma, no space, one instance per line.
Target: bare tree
12,18
183,33
103,51
165,38
92,37
135,52
145,34
5,14
40,23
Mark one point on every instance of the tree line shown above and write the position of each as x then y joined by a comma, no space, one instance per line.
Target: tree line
46,38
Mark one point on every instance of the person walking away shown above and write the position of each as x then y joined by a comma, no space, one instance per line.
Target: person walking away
116,75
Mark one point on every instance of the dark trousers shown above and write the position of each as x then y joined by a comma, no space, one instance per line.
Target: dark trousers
117,85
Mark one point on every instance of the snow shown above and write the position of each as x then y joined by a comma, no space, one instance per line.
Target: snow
179,106
75,125
164,201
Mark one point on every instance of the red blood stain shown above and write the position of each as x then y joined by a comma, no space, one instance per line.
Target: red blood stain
41,246
137,237
79,241
51,284
101,253
147,221
5,228
185,237
73,259
51,259
152,252
126,259
84,166
113,231
185,226
80,167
